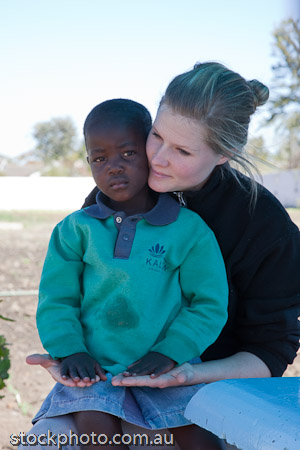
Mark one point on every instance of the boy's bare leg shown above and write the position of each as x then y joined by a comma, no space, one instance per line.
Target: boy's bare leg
192,437
88,422
53,427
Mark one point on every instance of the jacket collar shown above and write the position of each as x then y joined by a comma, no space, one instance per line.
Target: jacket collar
164,212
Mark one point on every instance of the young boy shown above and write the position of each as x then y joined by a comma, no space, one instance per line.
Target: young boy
134,283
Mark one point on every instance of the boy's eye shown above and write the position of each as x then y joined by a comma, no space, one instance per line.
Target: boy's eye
99,159
129,153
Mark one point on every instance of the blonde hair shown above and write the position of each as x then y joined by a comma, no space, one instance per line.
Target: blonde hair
223,102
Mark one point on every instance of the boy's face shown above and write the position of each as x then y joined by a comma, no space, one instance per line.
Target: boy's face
117,156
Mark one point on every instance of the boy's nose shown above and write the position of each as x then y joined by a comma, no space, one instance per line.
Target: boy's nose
115,170
115,166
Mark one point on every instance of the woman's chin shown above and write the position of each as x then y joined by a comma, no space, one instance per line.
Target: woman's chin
159,185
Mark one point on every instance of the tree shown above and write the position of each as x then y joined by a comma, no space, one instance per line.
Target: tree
55,139
284,105
285,92
256,147
289,153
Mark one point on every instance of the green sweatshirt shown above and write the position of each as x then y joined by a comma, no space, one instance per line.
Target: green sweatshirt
166,292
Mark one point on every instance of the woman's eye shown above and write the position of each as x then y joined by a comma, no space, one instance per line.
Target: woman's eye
183,152
155,134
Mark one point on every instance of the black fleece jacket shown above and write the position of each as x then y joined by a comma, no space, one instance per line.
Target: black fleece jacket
261,250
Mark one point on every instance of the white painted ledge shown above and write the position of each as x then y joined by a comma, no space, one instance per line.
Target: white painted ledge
44,193
252,414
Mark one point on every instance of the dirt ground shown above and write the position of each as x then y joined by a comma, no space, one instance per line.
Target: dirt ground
24,238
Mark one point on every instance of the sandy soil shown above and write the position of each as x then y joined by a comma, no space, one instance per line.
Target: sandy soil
24,238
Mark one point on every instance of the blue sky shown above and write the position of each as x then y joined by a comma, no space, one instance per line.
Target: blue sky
62,57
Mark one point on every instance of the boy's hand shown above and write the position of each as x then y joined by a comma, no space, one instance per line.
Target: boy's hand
81,366
53,367
153,364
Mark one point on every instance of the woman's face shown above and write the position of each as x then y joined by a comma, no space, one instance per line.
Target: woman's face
178,155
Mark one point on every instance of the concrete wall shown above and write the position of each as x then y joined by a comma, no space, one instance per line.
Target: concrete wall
44,193
285,186
65,193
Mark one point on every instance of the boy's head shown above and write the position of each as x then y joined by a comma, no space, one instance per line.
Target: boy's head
120,109
115,133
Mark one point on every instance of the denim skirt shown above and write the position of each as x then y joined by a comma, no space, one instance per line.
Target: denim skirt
151,408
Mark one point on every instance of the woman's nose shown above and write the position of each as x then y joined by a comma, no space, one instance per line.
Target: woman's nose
159,157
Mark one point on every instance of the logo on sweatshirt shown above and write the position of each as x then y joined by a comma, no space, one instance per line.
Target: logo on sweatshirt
157,251
156,260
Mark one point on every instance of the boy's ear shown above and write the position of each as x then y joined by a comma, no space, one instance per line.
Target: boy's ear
87,158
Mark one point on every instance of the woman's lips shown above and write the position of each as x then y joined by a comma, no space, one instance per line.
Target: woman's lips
159,174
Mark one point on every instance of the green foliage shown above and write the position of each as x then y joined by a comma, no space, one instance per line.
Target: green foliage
55,139
256,148
258,153
4,361
285,89
73,164
4,357
289,152
59,149
284,105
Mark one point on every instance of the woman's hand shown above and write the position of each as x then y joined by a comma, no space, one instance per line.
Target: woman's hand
179,376
54,368
153,364
239,365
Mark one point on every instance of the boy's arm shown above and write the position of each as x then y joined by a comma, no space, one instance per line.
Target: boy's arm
58,313
204,283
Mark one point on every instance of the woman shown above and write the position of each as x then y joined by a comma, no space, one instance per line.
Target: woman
201,126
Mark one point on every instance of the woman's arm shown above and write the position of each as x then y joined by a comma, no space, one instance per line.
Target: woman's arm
240,365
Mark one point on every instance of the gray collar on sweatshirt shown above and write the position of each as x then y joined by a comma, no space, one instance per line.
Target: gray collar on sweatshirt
164,212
